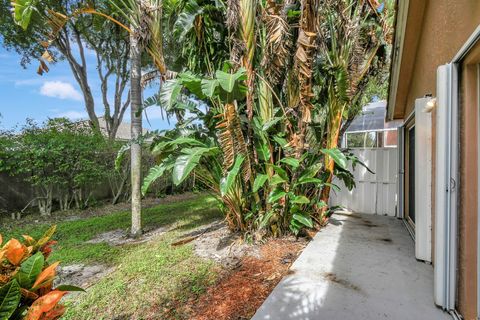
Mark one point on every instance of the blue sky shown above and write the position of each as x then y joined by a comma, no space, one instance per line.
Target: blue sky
25,94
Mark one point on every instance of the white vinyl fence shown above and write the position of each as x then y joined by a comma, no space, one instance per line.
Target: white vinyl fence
374,193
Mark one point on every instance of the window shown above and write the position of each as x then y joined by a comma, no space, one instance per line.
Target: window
371,139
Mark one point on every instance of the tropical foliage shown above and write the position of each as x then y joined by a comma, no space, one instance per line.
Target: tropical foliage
26,280
270,115
260,91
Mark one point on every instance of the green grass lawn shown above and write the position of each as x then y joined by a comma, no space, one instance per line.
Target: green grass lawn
72,235
148,276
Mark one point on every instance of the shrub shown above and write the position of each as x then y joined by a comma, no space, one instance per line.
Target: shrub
26,280
62,160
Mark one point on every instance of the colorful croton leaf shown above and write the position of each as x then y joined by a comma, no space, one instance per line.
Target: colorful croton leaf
26,280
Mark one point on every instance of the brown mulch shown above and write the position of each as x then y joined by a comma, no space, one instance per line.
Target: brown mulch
240,292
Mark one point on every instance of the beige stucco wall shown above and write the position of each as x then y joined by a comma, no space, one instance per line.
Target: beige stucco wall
435,32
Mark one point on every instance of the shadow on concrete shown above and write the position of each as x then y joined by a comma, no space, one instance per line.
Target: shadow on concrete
358,267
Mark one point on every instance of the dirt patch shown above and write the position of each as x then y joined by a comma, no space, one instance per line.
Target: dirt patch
82,275
241,291
120,237
217,243
388,240
332,277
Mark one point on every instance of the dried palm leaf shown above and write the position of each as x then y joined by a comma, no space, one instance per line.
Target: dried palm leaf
232,140
279,43
247,15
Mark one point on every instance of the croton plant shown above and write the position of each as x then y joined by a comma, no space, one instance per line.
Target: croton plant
26,280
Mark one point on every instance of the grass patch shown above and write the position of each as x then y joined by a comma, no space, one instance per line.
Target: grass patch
149,278
72,235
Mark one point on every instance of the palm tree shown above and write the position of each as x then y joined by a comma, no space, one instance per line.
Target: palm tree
144,17
274,110
136,132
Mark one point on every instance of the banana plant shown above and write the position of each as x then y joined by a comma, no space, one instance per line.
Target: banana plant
293,197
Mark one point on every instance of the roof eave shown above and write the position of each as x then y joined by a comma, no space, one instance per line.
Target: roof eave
401,16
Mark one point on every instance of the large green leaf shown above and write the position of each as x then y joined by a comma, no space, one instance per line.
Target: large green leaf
154,173
280,171
187,162
9,299
186,19
270,123
276,179
29,270
311,171
292,162
209,87
192,83
276,195
168,146
262,150
306,221
337,156
282,142
22,12
228,80
169,93
309,180
301,200
121,155
259,182
227,182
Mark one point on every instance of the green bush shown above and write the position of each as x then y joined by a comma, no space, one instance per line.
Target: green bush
62,160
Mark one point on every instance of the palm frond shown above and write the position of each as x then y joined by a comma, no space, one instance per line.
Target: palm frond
278,43
232,140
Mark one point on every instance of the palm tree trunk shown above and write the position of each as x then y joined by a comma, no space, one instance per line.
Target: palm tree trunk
304,56
334,125
136,132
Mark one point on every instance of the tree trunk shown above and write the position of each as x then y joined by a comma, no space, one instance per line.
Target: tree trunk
136,131
335,122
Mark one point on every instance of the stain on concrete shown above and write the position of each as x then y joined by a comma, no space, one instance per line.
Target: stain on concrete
369,224
332,277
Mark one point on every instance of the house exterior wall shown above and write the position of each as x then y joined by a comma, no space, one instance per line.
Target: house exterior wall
435,31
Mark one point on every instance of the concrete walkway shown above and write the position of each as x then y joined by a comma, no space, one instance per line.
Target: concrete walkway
358,267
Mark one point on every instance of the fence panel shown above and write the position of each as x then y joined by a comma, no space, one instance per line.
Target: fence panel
375,193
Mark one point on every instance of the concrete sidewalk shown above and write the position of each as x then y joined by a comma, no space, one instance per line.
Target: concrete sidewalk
359,267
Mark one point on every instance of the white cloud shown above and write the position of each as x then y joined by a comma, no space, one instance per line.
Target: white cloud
61,90
72,115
